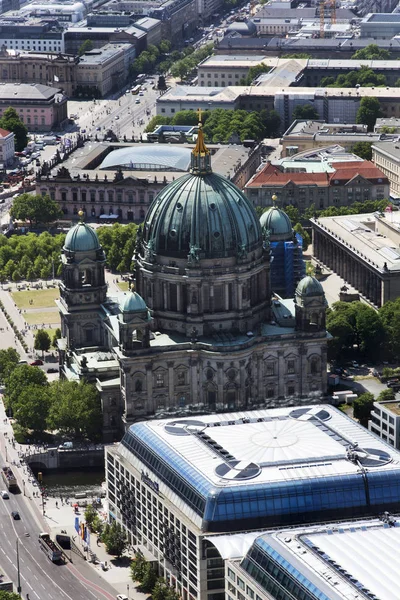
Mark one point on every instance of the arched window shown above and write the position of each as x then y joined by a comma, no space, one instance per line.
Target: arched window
138,385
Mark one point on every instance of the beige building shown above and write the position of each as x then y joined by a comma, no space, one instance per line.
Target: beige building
386,156
363,250
105,68
7,148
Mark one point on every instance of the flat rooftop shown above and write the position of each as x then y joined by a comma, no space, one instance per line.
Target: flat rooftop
250,459
367,235
394,406
350,561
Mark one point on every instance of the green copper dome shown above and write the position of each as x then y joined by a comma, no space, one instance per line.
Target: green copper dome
309,286
204,215
81,238
277,223
132,302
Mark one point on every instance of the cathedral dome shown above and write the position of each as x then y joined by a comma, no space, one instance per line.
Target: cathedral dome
81,238
132,302
207,215
309,286
278,223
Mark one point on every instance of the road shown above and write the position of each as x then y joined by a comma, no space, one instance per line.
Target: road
40,578
122,115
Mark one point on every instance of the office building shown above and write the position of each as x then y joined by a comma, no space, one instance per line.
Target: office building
31,33
183,486
385,422
7,148
386,156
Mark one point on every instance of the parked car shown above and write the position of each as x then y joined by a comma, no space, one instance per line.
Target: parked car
36,363
52,370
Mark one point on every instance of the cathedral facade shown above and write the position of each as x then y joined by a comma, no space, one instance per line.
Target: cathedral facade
203,331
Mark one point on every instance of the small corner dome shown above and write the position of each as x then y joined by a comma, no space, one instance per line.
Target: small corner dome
81,238
309,286
278,223
132,302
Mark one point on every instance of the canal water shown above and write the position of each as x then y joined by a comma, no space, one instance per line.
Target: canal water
69,483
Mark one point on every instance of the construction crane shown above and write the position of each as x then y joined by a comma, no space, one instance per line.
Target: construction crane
330,7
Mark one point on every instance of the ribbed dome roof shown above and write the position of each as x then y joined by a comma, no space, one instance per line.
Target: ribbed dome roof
278,223
132,302
206,214
81,238
242,27
309,286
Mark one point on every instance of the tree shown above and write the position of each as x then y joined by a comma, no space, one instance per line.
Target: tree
56,336
272,123
370,331
298,228
149,579
9,359
114,539
20,378
363,150
160,590
138,567
42,341
297,55
386,396
35,209
165,46
369,111
32,407
342,334
76,409
371,52
9,595
11,122
90,515
362,407
161,84
86,46
304,111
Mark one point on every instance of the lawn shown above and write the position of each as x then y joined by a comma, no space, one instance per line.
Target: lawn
123,285
40,298
37,318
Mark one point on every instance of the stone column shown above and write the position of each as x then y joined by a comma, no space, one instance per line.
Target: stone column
150,405
193,379
171,387
281,374
226,286
179,297
242,393
220,382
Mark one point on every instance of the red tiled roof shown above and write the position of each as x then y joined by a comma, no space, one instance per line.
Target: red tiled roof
345,171
272,175
4,132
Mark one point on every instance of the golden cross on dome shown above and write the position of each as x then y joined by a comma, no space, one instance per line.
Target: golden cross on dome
200,148
199,111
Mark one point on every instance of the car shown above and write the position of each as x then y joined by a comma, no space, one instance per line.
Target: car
122,597
36,363
52,370
141,93
116,117
98,128
137,101
15,515
4,495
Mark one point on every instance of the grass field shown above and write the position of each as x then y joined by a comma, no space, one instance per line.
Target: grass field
123,286
40,298
37,318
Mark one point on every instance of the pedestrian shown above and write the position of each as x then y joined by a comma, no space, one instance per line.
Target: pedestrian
56,504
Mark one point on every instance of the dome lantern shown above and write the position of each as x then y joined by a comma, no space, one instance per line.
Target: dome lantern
201,156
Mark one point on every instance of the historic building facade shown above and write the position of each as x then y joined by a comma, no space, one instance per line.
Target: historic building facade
203,332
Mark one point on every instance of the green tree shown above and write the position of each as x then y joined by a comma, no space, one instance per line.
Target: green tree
9,595
298,228
187,117
342,334
362,407
293,213
76,409
156,121
42,341
386,396
370,331
12,122
368,112
56,336
86,46
90,515
114,539
149,579
35,209
20,378
160,590
138,567
9,359
32,407
165,46
363,150
371,52
304,111
272,123
297,55
255,72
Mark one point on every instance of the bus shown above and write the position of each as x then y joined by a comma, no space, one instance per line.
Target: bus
135,90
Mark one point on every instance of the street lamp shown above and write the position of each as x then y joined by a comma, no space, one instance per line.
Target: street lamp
19,576
127,589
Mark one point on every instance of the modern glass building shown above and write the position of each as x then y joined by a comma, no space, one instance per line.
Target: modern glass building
175,484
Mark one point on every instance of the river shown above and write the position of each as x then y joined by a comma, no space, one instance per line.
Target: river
69,483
